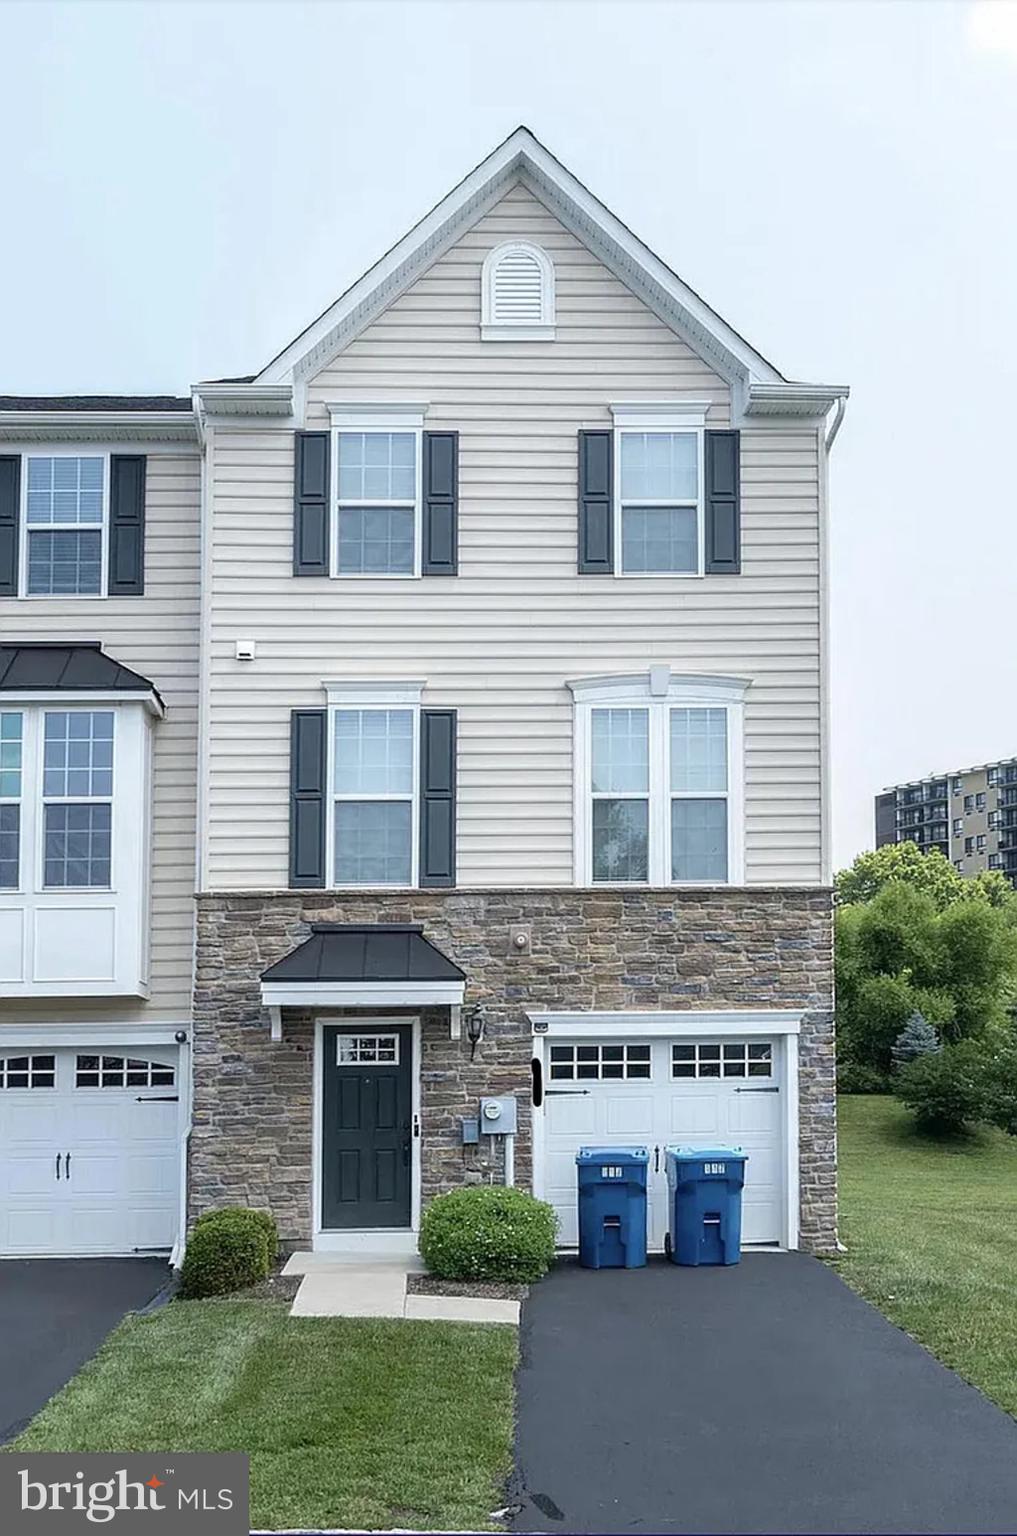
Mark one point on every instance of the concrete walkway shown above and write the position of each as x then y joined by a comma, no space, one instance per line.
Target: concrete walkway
767,1397
375,1286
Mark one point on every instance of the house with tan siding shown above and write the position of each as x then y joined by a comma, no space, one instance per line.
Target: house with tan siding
457,686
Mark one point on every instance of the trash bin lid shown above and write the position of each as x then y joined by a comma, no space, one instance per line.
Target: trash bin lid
699,1154
617,1155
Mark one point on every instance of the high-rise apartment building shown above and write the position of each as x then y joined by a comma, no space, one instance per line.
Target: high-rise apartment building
970,816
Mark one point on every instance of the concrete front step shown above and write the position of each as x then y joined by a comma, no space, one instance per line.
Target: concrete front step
378,1289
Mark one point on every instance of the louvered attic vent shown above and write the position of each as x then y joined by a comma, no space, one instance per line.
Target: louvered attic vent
518,294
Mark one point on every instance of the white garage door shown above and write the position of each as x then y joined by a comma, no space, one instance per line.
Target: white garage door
88,1150
659,1093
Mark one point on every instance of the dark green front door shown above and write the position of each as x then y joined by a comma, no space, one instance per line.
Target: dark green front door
367,1107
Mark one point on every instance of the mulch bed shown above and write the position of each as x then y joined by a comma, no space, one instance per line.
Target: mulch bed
275,1287
496,1290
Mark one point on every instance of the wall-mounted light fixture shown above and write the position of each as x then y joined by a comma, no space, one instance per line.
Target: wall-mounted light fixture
474,1019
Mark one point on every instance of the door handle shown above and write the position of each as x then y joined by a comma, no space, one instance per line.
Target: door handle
67,1166
656,1159
416,1125
757,1090
566,1093
58,1166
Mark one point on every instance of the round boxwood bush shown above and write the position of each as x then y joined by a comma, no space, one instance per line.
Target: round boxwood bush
487,1232
227,1251
245,1215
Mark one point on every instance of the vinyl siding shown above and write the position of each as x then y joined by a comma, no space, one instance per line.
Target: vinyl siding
498,641
157,635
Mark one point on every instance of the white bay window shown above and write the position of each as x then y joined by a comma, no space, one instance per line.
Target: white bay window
658,780
74,835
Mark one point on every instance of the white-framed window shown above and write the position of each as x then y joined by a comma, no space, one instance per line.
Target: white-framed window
732,1058
367,1050
122,1072
607,1060
376,493
374,753
658,780
64,515
77,798
27,1071
658,490
517,293
11,748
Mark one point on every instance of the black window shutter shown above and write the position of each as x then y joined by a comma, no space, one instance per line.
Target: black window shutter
10,512
723,504
438,797
596,495
441,503
310,508
307,797
126,525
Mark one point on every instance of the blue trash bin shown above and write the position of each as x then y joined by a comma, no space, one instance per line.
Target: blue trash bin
612,1206
704,1205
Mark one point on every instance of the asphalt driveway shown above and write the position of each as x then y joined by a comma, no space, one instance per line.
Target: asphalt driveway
54,1314
762,1398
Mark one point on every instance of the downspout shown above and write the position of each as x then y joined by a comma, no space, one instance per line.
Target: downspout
835,424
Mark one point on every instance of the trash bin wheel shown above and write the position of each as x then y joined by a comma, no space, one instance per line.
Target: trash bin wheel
667,1245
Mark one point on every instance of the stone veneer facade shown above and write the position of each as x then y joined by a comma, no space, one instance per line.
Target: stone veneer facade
764,947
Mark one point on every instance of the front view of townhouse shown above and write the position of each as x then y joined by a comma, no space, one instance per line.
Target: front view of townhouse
438,713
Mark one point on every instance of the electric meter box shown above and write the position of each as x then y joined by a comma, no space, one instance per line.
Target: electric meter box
498,1116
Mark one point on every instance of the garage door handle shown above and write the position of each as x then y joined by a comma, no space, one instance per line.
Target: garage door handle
157,1098
757,1090
67,1165
566,1093
58,1166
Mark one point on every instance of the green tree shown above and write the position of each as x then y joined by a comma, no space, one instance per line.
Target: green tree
931,873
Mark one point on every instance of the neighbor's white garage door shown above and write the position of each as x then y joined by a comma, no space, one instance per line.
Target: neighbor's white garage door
88,1151
698,1093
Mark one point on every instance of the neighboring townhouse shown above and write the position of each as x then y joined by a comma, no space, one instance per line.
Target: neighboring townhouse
969,816
512,775
99,602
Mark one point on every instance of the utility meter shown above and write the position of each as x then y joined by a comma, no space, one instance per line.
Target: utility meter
498,1116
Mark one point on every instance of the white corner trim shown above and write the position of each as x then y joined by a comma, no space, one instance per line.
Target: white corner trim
662,416
455,1022
275,1023
82,698
684,1024
361,994
388,416
355,694
685,686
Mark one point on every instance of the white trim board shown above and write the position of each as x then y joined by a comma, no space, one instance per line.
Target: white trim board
686,1023
361,994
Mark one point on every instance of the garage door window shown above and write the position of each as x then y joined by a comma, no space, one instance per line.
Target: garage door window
735,1058
27,1071
122,1072
618,1060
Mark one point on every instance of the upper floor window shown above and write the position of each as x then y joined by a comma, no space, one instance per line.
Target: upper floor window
374,778
72,813
658,780
659,479
64,522
517,294
11,734
378,503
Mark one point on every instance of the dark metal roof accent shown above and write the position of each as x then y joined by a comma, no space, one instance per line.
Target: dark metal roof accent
95,403
82,665
365,952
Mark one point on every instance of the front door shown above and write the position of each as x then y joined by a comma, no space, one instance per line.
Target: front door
367,1107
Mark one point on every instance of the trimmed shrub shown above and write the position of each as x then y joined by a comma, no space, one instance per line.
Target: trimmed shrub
857,1077
227,1251
245,1215
945,1089
488,1232
917,1038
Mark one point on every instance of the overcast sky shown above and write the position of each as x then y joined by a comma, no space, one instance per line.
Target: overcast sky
187,185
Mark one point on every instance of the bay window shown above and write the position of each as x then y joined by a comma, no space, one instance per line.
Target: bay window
11,731
658,780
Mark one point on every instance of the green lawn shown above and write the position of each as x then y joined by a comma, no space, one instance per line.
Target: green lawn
931,1233
347,1422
